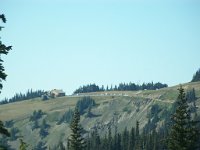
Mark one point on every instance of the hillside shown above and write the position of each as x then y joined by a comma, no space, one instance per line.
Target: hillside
113,108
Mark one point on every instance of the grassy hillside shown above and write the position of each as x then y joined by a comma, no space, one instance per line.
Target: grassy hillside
113,108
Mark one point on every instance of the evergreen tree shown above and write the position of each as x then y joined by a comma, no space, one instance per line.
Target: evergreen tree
35,125
43,132
76,141
115,139
132,139
84,103
102,88
137,136
13,133
88,142
183,134
196,76
44,124
119,146
105,142
191,98
21,97
121,87
107,89
110,139
67,117
89,113
111,88
155,140
3,130
36,115
3,51
61,146
94,142
191,95
4,143
125,139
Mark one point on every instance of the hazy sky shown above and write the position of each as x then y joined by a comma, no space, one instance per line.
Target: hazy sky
67,43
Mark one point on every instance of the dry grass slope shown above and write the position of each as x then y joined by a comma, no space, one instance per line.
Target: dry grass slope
121,108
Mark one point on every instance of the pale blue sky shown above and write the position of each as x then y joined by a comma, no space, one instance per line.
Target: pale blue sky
67,43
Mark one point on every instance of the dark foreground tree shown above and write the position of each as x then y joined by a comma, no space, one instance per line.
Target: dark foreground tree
76,141
3,130
3,51
183,134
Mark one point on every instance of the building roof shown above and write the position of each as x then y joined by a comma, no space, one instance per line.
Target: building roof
57,91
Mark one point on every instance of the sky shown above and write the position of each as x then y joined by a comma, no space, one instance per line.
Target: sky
64,44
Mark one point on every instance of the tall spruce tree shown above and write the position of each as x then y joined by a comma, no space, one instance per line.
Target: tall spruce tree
183,134
137,136
119,146
131,139
125,139
76,141
110,139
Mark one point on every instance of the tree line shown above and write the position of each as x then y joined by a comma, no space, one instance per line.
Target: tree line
132,139
30,94
121,87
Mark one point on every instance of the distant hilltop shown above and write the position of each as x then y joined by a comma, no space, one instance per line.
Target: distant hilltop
30,94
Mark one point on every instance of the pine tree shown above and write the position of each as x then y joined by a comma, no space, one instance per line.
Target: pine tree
110,139
61,146
155,140
119,146
196,76
105,142
94,142
107,89
76,141
183,134
131,139
97,140
137,136
125,139
115,139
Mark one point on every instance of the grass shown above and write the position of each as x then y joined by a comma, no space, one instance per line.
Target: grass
24,108
116,107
